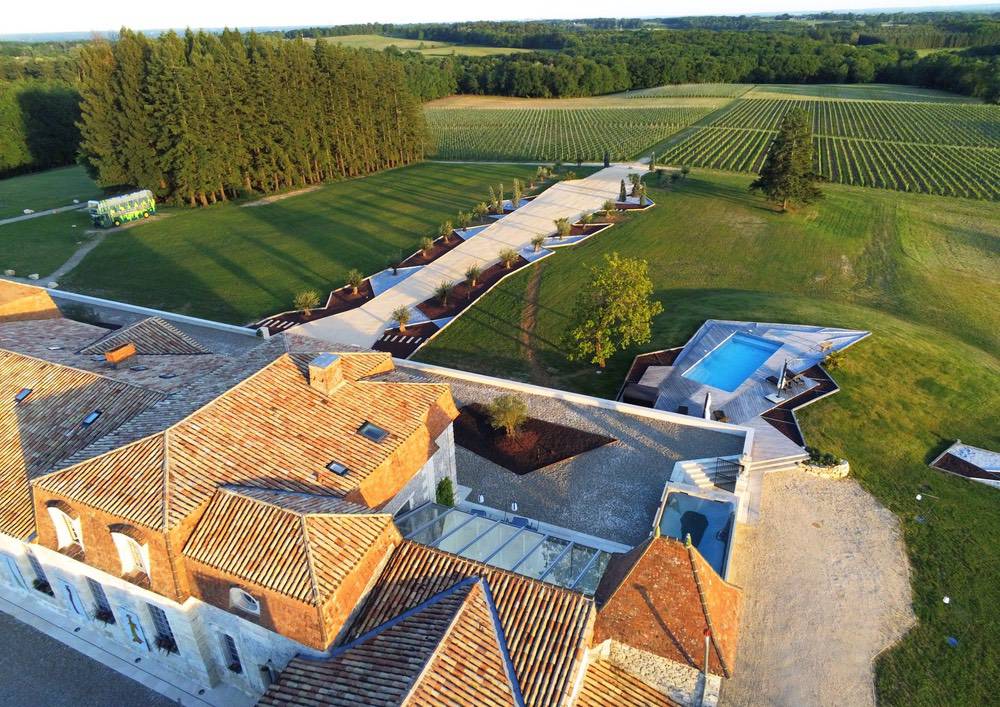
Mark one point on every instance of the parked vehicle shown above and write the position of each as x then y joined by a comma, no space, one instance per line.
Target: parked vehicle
123,208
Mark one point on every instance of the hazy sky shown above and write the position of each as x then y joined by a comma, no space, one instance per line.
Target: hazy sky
75,15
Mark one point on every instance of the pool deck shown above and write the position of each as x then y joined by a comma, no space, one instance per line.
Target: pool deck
803,347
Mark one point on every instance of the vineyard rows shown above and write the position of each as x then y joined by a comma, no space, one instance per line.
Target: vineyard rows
949,170
554,134
930,124
693,90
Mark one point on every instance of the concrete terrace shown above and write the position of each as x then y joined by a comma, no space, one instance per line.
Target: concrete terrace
611,492
364,326
801,346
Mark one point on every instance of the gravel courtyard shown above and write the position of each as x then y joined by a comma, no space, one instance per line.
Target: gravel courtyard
827,586
612,491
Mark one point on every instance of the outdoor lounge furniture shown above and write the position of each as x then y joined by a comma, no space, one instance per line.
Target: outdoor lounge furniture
682,409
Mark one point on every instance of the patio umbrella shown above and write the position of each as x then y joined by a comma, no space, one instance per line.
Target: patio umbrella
707,411
783,378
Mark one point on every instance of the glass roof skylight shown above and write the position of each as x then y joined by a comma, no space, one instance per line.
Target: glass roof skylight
22,395
373,432
506,546
92,418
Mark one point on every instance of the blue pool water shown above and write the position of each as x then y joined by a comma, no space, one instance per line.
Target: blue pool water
727,366
710,524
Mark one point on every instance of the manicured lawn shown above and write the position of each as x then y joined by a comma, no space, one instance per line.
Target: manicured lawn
45,190
920,272
238,264
40,245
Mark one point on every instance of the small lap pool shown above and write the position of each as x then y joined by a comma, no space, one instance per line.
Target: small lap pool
732,362
708,522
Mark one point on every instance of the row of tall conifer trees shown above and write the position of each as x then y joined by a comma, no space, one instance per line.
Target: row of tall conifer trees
205,117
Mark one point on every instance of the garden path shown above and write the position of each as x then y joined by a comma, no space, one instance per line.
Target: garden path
571,199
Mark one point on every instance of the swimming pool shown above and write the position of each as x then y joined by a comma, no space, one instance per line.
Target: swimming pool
732,362
709,523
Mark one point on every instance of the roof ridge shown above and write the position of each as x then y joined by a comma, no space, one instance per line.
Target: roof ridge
648,545
691,550
399,618
235,490
310,562
165,467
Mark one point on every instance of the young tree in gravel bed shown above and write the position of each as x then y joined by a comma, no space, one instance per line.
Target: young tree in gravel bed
472,274
401,315
508,256
480,210
613,312
425,246
307,300
622,195
562,227
516,192
609,207
463,220
787,175
354,280
537,242
443,291
507,412
445,231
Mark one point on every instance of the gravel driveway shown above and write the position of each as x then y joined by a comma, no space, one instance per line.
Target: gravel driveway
827,586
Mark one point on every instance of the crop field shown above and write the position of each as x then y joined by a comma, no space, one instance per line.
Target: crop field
947,149
554,134
426,46
685,90
857,92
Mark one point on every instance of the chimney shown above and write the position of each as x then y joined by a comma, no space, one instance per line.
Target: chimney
326,373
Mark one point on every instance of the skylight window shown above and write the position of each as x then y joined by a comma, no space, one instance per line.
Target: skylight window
373,432
92,418
22,395
337,468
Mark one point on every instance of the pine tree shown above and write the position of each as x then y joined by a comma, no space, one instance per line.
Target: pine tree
787,175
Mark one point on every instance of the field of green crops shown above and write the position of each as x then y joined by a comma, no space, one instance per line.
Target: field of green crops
686,90
554,134
948,149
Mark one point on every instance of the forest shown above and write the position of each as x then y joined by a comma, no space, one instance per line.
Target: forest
40,82
205,117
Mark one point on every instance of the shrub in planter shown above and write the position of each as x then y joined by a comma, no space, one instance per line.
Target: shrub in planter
105,616
508,412
445,492
43,586
821,458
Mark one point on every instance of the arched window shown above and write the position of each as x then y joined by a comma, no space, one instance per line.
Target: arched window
242,600
67,526
133,555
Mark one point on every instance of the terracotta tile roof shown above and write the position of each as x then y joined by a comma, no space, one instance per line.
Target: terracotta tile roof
260,539
25,302
47,426
660,598
447,651
546,628
270,431
151,337
606,685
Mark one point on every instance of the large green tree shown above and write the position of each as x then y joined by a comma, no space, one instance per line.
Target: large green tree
613,312
787,175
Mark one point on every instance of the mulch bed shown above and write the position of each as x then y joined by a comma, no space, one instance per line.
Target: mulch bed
337,301
437,250
403,345
537,444
462,295
957,465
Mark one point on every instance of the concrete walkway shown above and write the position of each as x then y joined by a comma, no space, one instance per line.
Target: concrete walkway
38,214
363,326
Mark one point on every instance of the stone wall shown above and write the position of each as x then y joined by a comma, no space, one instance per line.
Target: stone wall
680,683
422,488
198,628
838,471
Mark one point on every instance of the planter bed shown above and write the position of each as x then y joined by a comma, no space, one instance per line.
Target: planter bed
337,301
462,295
539,443
437,250
402,345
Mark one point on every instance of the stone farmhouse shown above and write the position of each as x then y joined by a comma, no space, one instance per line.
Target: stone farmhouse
219,515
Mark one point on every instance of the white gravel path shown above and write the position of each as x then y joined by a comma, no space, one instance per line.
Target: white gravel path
826,585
